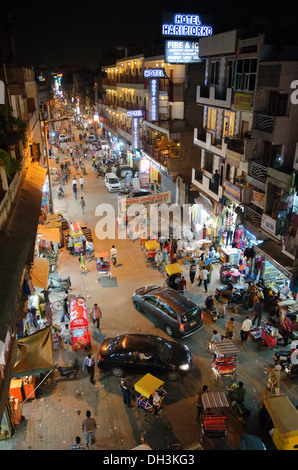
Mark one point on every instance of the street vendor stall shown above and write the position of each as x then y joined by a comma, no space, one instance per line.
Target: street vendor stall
103,265
76,234
79,327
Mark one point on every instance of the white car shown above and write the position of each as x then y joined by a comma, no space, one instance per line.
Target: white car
92,138
63,138
112,182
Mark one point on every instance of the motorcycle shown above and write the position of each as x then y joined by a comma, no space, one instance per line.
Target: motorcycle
60,193
69,370
60,283
241,412
211,309
85,154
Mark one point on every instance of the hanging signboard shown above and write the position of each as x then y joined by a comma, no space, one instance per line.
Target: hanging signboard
153,99
182,52
135,133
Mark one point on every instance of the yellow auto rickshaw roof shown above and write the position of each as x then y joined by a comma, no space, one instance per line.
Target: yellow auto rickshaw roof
283,413
174,268
148,385
151,245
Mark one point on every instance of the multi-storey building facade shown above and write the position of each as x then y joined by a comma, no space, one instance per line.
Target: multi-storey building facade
167,141
248,139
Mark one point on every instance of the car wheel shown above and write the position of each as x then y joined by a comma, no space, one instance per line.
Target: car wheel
172,375
138,307
168,330
117,371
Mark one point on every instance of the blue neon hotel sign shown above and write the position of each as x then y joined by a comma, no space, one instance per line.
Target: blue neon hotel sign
185,25
154,99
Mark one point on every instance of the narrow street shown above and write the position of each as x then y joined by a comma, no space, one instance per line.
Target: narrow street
53,419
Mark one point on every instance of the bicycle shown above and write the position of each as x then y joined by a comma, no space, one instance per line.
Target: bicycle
57,305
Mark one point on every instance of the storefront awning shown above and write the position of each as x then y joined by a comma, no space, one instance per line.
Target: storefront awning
35,354
272,252
49,234
25,217
40,272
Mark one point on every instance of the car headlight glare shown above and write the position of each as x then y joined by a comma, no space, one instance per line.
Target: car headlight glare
184,367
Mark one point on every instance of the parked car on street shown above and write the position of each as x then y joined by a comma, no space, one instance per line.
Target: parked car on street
179,316
92,138
144,353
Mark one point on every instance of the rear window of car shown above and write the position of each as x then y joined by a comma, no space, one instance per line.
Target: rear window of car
190,315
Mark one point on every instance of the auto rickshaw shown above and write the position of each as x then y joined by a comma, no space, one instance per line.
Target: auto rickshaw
150,394
173,271
103,265
279,418
213,417
151,247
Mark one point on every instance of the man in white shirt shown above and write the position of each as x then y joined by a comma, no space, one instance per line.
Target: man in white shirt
114,255
203,277
245,328
81,181
65,334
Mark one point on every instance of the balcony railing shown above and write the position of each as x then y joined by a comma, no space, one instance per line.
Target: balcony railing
264,123
258,172
252,216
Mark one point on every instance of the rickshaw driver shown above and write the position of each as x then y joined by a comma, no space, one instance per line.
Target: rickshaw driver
237,392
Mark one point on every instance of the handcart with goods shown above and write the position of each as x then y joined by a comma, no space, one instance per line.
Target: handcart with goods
224,361
214,415
103,265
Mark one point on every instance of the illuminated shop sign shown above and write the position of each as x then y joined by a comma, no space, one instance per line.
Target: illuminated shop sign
154,73
135,133
181,52
154,99
185,25
135,113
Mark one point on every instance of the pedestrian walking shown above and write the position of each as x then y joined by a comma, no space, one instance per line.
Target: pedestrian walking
287,329
229,329
96,315
89,364
126,394
192,272
274,379
203,277
82,204
114,255
258,311
65,335
81,181
89,428
65,304
74,187
77,445
181,284
245,329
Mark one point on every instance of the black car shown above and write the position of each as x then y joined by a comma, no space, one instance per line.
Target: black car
144,353
135,193
178,315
